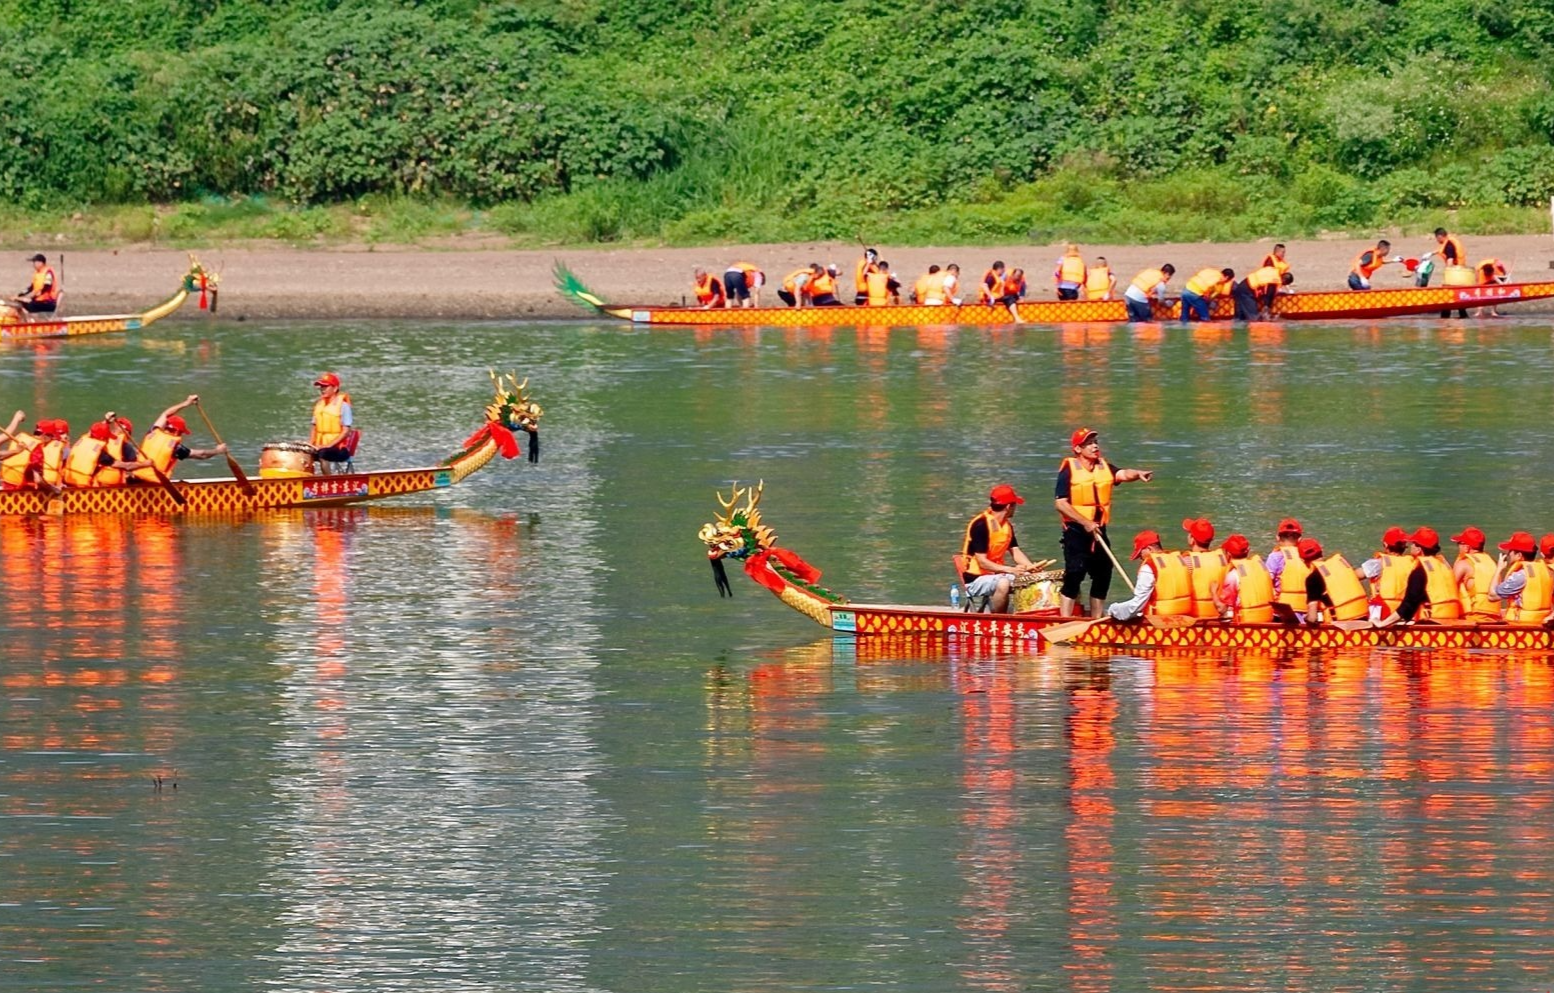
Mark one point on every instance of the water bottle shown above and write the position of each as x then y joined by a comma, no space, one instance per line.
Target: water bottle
954,594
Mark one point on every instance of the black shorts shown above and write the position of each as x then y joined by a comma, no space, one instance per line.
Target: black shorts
825,300
787,298
735,286
39,306
1083,556
1068,293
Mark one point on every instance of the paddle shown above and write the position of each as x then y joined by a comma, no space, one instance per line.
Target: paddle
1061,634
237,470
1102,542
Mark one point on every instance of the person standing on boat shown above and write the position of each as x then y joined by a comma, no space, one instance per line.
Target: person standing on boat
1201,290
708,290
866,266
1449,249
1524,586
742,285
989,538
1100,284
1147,285
163,445
1366,264
41,295
335,436
1070,273
1083,500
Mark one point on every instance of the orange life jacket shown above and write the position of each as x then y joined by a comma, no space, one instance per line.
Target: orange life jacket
1014,286
1364,268
1098,282
1343,587
1444,599
1292,581
13,468
1393,581
81,467
822,285
879,288
111,475
1254,591
1261,279
1090,490
930,288
1537,596
791,281
999,538
1208,570
158,448
44,286
1071,269
1451,251
1173,596
53,461
1490,271
1273,260
1478,605
991,280
709,289
327,426
861,275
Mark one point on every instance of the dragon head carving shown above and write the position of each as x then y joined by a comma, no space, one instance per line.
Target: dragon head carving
736,533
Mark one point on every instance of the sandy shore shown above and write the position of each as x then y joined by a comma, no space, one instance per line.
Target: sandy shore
459,282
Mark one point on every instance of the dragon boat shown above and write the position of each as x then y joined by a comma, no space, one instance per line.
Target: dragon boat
1334,305
510,412
739,535
195,281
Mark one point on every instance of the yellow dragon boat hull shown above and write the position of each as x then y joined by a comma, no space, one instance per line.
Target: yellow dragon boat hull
196,280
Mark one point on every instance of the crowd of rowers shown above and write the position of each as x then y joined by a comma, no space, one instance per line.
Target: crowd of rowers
46,458
1073,278
1407,580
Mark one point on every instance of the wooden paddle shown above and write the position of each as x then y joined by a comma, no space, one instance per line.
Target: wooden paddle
1102,542
1062,634
167,484
237,470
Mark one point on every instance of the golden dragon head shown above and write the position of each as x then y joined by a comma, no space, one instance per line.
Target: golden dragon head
738,531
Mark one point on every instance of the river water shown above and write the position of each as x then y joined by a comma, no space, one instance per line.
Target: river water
507,738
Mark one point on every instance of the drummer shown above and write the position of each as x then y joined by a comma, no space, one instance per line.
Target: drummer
163,445
334,436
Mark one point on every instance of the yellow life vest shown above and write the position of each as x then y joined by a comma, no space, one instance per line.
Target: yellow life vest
1208,570
1537,596
111,475
1393,581
878,288
157,447
1146,281
327,427
1098,282
1344,589
1207,283
1444,599
999,538
1292,581
81,468
1090,490
1071,269
1254,591
13,468
53,461
861,275
790,282
1173,596
1479,605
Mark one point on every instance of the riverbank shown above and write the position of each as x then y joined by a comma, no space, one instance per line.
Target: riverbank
467,281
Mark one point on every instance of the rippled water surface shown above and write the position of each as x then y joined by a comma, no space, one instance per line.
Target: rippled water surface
505,737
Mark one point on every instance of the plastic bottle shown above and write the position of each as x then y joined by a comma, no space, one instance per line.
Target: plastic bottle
954,595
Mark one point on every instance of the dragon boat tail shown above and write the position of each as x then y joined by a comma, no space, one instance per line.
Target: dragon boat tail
196,281
739,534
509,414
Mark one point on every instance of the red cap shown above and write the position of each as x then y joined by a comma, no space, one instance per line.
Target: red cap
1309,549
1081,436
1004,493
1425,538
1142,541
1546,545
1393,536
1290,526
1236,546
177,425
1199,530
61,427
99,431
1470,536
327,379
127,424
1520,541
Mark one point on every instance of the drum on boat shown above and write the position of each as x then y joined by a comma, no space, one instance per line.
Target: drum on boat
283,459
1459,275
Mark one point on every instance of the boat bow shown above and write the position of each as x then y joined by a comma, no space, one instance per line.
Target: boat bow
738,534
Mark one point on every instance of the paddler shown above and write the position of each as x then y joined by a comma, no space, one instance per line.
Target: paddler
37,460
796,285
1319,602
163,445
17,452
1255,294
1430,591
1366,264
1474,571
742,282
1388,570
1100,283
99,458
1286,568
1163,587
1012,292
989,538
928,290
952,284
42,293
822,288
1207,565
1147,285
1083,499
335,437
1201,291
1070,274
866,265
1524,586
1245,596
883,286
708,289
992,283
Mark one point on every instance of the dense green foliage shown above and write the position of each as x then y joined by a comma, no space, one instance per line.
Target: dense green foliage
591,120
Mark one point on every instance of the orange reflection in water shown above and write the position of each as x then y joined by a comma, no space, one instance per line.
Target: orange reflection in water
1092,901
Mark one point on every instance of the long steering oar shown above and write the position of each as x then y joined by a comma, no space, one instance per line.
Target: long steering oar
1102,542
237,470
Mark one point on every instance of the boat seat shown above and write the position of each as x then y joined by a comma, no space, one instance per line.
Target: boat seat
970,604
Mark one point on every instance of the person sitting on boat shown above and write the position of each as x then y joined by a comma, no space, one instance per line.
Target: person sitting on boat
104,457
335,437
1388,570
1208,566
992,283
928,291
1083,500
1151,284
708,289
882,286
1366,264
17,454
1474,571
952,284
1286,568
989,538
1070,273
1100,283
41,295
1319,602
1245,595
742,285
1012,292
1276,259
1523,585
1201,290
822,288
36,460
796,285
1255,294
1431,592
163,445
866,266
1163,587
